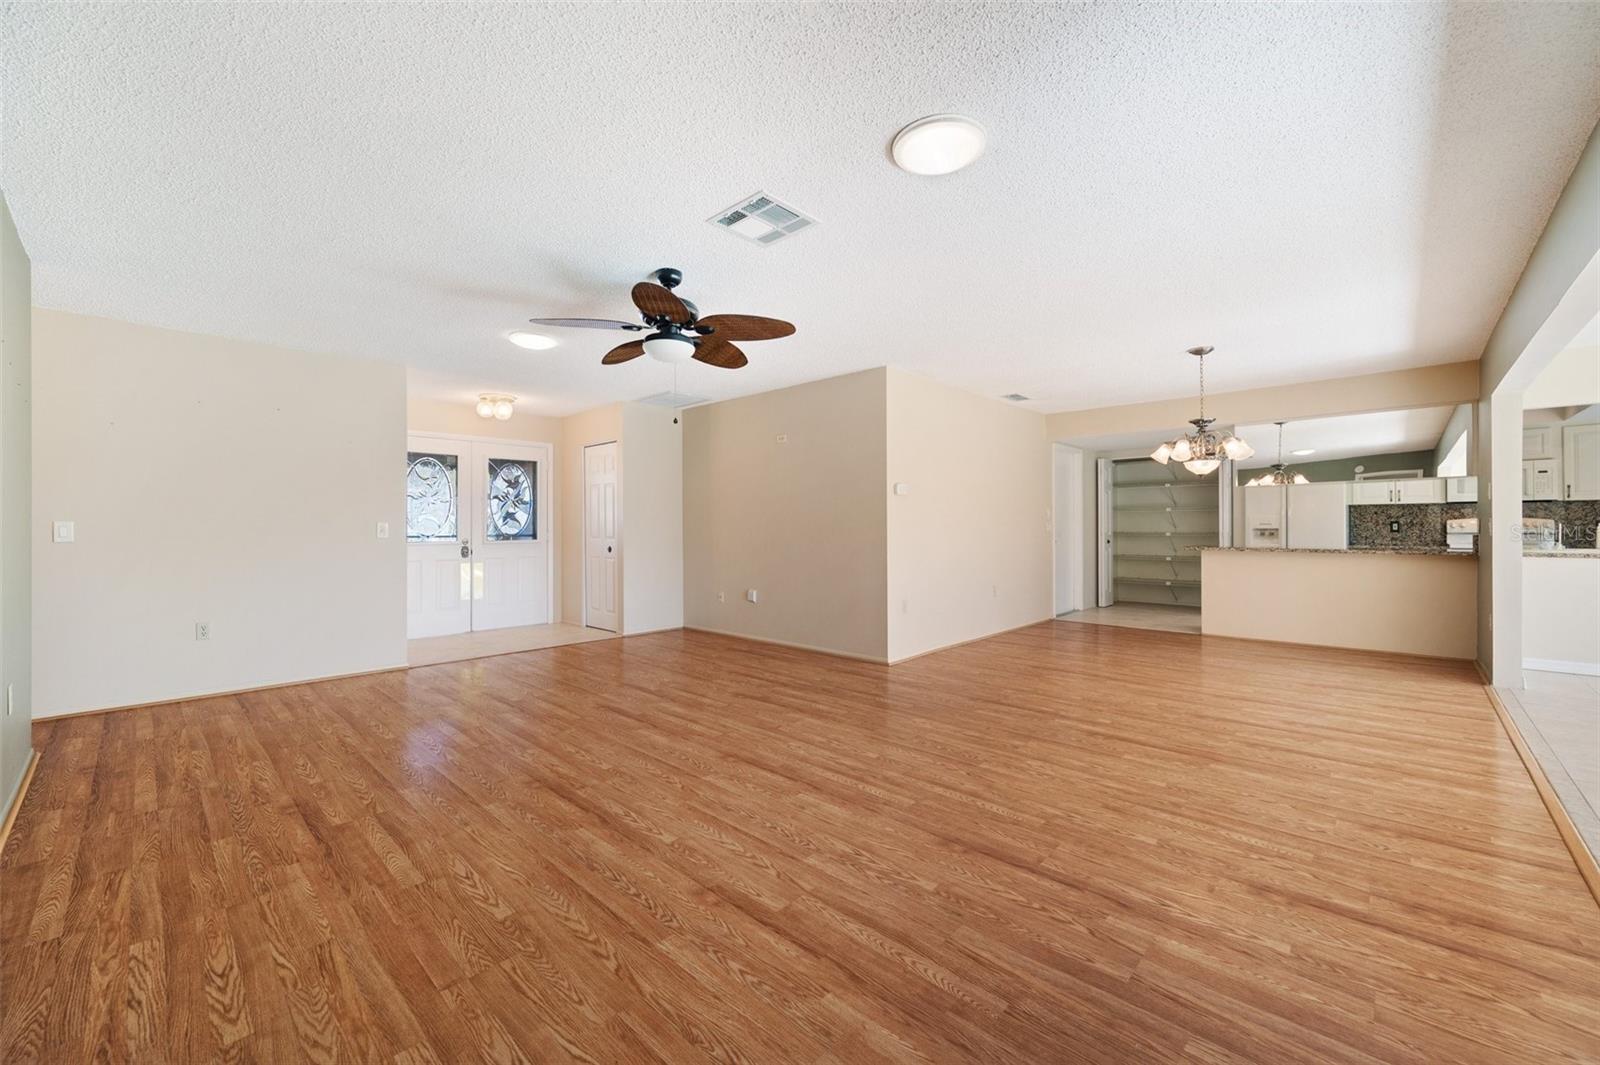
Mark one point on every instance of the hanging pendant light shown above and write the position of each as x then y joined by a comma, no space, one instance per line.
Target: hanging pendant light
1279,474
1203,450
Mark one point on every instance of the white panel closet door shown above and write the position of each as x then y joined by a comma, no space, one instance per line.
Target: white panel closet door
601,547
510,522
438,576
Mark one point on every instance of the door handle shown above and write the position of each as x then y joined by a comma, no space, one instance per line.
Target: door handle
466,551
608,550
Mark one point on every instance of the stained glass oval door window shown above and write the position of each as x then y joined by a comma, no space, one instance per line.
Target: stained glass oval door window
430,497
513,492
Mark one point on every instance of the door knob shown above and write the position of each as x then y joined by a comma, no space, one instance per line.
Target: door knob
608,550
466,551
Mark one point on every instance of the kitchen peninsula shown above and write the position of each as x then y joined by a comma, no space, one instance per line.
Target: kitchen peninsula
1414,600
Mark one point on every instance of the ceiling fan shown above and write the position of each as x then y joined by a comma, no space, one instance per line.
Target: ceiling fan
677,330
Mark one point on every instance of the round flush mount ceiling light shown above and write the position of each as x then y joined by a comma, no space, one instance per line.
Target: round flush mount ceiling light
496,406
533,341
1303,452
668,347
938,144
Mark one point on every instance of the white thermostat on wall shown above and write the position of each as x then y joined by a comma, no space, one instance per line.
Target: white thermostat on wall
62,532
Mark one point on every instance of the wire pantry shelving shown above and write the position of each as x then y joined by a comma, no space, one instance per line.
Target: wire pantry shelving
1161,514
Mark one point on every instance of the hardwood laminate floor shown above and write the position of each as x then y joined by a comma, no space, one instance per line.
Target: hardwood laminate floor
1066,843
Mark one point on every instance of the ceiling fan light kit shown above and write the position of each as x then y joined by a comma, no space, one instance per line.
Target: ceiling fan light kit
1203,450
938,144
678,332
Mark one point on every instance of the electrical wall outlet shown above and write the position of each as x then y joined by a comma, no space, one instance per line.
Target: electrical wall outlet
1394,526
202,630
722,597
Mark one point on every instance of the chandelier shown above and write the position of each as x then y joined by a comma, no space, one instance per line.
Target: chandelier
1203,450
1280,473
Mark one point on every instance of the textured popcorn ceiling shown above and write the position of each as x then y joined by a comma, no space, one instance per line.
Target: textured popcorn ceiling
1317,190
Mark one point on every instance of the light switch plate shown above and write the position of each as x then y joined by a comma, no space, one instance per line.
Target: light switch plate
901,488
62,532
383,530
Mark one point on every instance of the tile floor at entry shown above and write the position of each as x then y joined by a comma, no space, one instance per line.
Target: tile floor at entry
1159,616
463,645
1559,716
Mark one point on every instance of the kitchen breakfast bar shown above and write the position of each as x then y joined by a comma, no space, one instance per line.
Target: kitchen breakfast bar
1421,601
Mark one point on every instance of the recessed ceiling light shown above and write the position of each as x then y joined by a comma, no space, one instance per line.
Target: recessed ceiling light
533,341
1304,451
938,144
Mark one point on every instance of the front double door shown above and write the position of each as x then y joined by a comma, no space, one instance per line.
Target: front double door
477,535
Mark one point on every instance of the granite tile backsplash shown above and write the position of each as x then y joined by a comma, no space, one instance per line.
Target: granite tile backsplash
1421,524
1577,517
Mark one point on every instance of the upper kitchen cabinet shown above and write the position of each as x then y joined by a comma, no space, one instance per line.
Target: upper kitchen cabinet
1543,442
1421,490
1580,461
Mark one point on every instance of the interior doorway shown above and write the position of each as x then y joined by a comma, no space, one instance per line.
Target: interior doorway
602,544
478,544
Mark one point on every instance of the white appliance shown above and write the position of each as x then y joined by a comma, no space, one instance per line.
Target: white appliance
1318,516
1263,516
1460,534
1539,533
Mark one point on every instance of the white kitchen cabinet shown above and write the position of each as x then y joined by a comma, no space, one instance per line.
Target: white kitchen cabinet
1580,461
1366,493
1541,443
1421,490
1410,490
1461,490
1541,479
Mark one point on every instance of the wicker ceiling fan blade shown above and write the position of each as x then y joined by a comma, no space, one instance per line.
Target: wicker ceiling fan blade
623,352
659,302
745,327
715,351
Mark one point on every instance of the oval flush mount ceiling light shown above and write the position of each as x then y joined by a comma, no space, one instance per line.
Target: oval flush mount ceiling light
938,144
533,341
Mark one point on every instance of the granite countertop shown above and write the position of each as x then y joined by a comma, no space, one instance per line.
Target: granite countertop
1565,552
1348,551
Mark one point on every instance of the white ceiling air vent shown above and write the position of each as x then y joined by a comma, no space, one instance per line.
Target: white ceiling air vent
673,399
1015,397
761,219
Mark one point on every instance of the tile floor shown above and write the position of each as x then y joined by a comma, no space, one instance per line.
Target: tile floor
1559,715
436,649
1140,616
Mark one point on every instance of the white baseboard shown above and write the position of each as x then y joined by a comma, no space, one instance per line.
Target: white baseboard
790,643
1555,665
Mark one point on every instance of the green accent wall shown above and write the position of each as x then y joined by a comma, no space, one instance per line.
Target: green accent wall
1345,469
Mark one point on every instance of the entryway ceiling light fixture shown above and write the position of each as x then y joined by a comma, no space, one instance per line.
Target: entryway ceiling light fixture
532,341
938,144
1279,474
495,405
1203,450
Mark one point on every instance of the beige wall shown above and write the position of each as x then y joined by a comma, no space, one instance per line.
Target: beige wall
1428,386
210,480
16,746
652,519
598,426
969,545
1409,604
801,519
